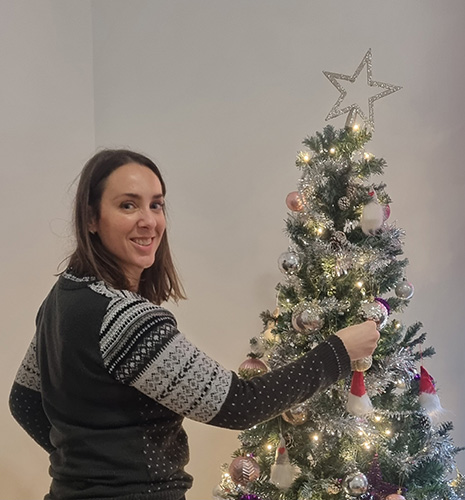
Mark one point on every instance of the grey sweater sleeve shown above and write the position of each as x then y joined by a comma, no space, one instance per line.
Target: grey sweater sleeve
142,347
26,400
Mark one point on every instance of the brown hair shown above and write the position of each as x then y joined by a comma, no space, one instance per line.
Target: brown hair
159,282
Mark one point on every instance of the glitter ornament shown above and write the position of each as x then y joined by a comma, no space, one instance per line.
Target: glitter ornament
404,290
294,201
355,484
244,470
355,109
289,263
362,365
308,318
296,415
343,203
252,367
376,311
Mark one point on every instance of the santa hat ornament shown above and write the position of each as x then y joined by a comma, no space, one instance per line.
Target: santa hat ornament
372,215
358,402
428,397
282,472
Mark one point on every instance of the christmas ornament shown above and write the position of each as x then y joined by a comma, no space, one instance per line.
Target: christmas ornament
355,484
428,397
372,216
250,496
355,108
227,487
244,470
282,472
268,332
386,212
358,402
252,367
343,203
378,488
362,365
338,240
296,415
308,318
377,311
404,290
395,496
294,201
289,262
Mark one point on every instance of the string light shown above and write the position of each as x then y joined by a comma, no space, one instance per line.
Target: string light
332,150
315,437
356,127
388,432
377,418
306,158
269,447
359,284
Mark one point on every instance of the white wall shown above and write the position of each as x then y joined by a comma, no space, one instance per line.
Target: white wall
46,133
221,94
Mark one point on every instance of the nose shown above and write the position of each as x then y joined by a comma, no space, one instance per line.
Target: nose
147,219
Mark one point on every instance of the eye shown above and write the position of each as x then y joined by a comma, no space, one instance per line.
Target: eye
157,206
127,205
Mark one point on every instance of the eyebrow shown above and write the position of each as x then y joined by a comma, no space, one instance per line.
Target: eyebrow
138,197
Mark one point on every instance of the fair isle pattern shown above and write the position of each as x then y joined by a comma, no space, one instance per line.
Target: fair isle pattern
28,374
142,347
185,380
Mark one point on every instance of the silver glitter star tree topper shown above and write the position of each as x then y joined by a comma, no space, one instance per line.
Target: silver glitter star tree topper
355,109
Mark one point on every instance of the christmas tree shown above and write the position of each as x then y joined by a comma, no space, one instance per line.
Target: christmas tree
381,433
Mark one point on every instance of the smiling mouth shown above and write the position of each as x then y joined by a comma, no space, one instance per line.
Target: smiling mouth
143,242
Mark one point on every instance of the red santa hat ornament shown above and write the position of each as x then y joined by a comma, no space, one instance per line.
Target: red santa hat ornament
428,397
358,402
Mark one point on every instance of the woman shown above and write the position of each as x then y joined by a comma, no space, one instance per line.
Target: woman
108,378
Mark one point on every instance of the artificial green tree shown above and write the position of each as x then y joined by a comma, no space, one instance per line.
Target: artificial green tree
344,264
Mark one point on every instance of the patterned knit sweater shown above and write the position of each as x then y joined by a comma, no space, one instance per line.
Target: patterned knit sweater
108,379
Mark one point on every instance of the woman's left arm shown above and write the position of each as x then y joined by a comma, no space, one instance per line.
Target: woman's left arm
26,400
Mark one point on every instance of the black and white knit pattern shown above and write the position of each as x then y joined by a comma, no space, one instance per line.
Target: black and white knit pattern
142,347
28,374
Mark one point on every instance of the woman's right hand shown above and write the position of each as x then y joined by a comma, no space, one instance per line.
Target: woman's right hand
359,340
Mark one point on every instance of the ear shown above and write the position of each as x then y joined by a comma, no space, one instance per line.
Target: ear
92,226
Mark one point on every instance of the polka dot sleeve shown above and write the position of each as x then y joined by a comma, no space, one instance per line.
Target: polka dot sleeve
261,398
26,408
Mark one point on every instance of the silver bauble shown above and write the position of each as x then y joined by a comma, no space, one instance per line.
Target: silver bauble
308,318
289,262
375,311
355,484
404,290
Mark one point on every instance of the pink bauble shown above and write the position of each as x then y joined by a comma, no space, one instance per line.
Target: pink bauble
294,202
386,212
252,367
243,470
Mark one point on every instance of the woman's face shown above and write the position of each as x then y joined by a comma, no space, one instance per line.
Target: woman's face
132,220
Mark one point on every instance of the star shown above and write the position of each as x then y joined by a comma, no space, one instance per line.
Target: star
354,109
